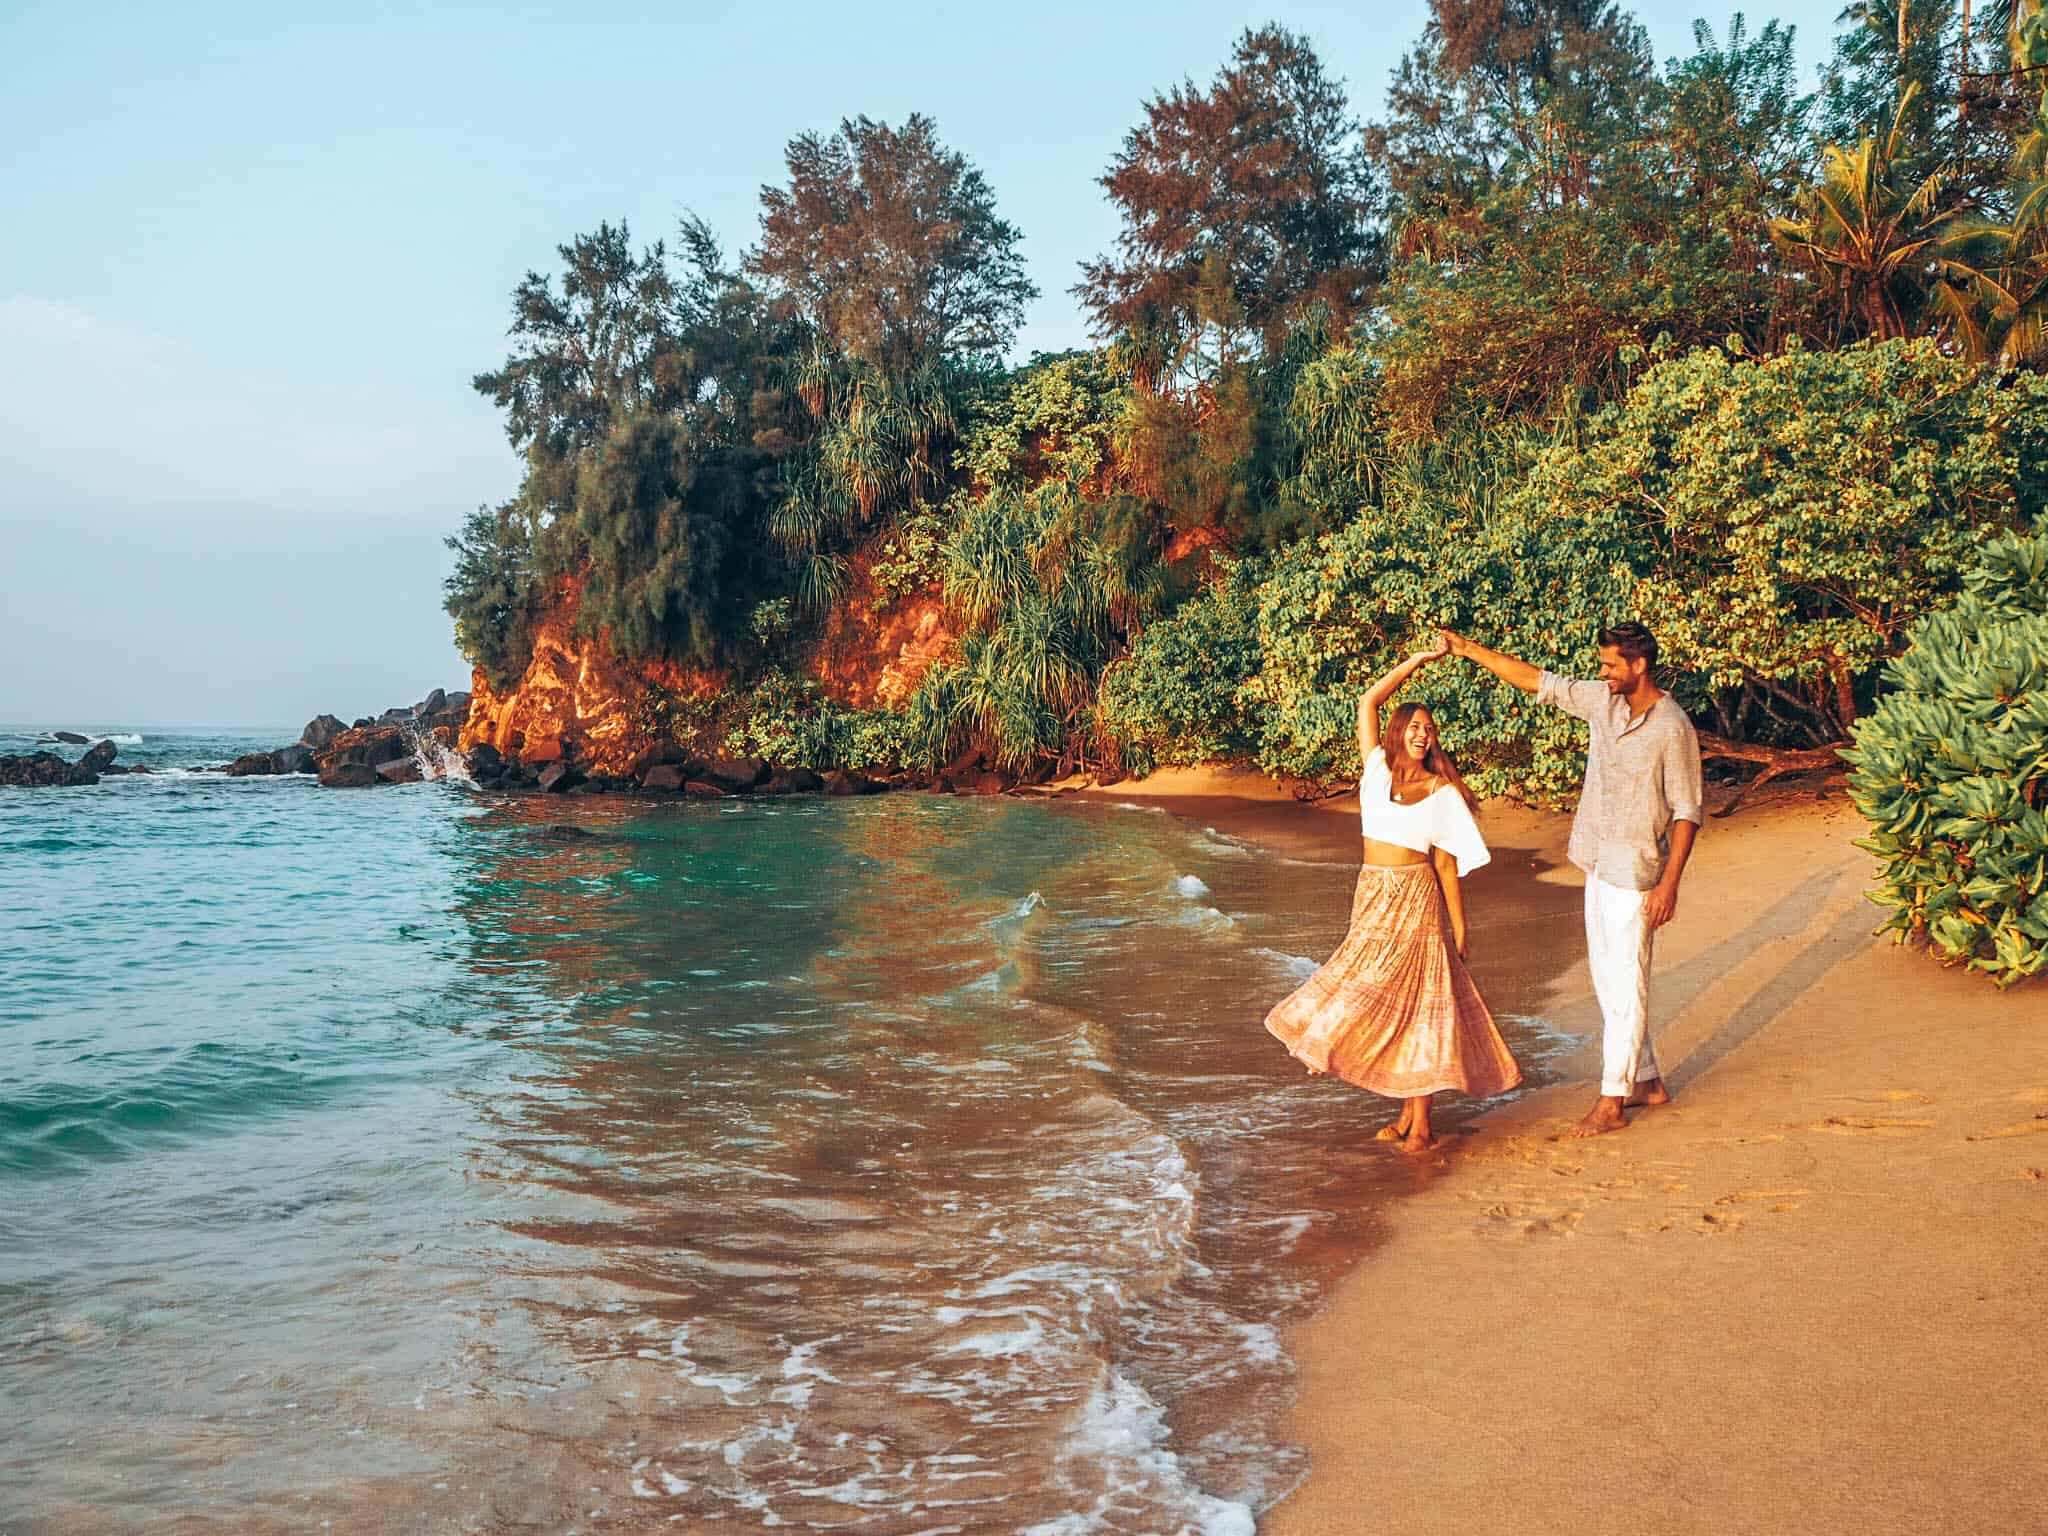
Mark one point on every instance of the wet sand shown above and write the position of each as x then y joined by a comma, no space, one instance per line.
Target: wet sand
1808,1295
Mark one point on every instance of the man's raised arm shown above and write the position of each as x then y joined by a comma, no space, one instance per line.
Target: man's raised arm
1509,669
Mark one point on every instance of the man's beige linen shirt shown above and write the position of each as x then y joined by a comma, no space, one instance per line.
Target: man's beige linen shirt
1641,776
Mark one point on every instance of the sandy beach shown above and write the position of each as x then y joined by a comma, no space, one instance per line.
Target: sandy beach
1808,1295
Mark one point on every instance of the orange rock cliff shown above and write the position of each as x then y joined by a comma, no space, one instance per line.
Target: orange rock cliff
578,701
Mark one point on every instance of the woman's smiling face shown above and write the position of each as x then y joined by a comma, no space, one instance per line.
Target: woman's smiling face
1418,735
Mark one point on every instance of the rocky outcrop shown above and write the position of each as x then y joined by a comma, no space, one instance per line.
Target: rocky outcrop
44,770
251,763
320,732
352,759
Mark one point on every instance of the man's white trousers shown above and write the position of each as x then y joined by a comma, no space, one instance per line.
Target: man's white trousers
1618,942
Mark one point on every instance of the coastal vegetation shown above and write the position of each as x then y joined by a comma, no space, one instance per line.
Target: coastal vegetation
1951,769
1563,333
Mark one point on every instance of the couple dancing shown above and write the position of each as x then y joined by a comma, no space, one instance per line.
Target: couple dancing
1394,1010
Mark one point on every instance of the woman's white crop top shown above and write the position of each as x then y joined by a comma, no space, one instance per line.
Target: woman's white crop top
1441,820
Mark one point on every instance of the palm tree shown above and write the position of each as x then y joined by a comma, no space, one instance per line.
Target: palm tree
1880,237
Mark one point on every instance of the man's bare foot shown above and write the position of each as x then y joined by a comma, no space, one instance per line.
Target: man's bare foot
1649,1095
1397,1131
1604,1116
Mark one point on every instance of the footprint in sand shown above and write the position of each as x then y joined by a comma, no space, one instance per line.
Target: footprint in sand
1891,1096
1879,1125
1531,1221
1717,1222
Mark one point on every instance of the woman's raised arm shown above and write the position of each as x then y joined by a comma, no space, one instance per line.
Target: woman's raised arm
1374,699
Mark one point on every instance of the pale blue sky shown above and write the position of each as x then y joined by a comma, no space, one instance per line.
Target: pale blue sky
253,259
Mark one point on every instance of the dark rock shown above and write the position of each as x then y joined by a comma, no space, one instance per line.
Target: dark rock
362,722
116,770
44,770
733,774
697,789
844,781
662,776
792,781
394,715
979,782
562,832
97,756
320,732
400,770
69,738
139,768
432,704
296,759
557,778
252,764
458,703
964,764
365,747
484,762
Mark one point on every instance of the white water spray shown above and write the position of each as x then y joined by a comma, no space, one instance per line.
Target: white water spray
435,760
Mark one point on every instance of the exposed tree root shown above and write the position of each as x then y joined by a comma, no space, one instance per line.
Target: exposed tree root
1775,762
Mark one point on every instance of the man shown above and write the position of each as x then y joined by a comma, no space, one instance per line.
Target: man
1638,815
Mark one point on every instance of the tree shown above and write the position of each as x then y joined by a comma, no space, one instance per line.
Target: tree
1241,204
605,345
1890,245
891,246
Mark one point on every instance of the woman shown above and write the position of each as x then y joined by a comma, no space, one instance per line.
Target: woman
1394,1011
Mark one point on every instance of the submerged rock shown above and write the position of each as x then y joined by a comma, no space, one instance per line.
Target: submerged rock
400,770
69,738
563,832
347,775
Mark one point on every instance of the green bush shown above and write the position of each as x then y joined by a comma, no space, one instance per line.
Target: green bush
1174,698
1951,771
1789,518
789,722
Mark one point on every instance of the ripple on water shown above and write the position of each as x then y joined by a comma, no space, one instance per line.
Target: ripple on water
906,1163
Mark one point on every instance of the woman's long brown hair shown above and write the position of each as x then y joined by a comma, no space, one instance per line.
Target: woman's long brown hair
1438,762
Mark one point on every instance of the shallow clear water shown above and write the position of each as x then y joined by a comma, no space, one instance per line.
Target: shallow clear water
909,1164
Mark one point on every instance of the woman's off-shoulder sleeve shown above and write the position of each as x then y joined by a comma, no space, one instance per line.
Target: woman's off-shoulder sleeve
1453,830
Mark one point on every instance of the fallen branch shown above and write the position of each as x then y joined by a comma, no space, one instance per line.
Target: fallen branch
1773,760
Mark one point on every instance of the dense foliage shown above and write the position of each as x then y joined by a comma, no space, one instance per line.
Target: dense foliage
1951,770
1561,335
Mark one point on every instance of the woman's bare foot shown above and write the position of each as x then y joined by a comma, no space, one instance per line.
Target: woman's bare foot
1649,1095
1604,1116
1415,1143
1396,1131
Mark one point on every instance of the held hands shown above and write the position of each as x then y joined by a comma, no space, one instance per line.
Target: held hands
1437,652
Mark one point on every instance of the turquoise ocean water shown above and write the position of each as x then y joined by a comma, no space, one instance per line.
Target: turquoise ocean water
418,1160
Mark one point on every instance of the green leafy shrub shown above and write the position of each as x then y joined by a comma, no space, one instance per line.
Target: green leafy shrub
789,721
1174,698
1788,518
1951,771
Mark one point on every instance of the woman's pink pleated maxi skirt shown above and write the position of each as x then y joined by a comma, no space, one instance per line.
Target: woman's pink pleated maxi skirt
1394,1011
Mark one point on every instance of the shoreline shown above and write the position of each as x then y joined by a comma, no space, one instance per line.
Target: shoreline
1807,1293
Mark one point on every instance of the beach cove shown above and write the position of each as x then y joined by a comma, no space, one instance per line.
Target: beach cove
1806,1295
